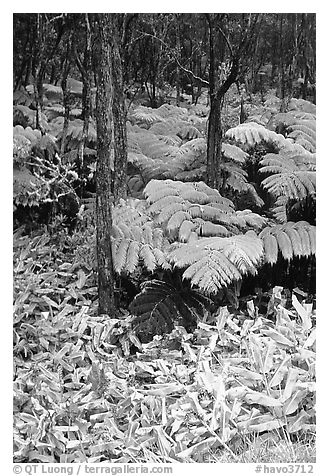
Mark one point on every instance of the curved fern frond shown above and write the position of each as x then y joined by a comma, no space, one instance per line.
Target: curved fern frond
159,306
291,239
173,203
302,105
145,115
234,153
287,179
251,134
213,263
135,239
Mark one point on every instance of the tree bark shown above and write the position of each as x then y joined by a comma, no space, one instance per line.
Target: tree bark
104,198
85,68
178,49
214,149
214,143
119,116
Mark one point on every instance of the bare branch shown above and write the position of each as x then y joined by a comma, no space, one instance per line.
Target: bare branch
187,71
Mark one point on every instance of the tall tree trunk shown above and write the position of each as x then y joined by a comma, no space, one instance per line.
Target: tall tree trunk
178,50
214,149
38,72
119,117
66,96
104,198
85,68
214,143
282,72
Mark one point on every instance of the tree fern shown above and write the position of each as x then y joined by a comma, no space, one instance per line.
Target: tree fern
291,239
160,305
303,135
287,178
74,134
174,203
26,116
213,263
250,134
135,239
144,115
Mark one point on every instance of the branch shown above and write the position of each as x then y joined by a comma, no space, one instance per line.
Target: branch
187,71
128,17
226,40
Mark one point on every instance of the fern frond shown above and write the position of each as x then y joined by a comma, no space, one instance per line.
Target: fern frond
148,257
250,133
160,305
145,115
188,132
167,213
284,244
177,219
293,239
136,238
211,229
233,152
120,255
185,230
212,263
212,272
279,210
302,105
132,256
287,179
271,248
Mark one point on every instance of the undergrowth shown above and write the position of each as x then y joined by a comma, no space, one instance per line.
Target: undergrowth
87,390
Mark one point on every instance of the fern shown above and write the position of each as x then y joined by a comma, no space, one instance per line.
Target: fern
291,239
287,177
302,105
234,153
160,305
25,116
214,263
74,134
136,240
145,115
173,203
250,134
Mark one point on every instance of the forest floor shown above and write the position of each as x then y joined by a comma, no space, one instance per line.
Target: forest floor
240,388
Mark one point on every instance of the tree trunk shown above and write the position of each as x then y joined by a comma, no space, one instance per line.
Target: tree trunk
66,97
214,149
119,117
282,73
178,49
86,74
104,198
214,143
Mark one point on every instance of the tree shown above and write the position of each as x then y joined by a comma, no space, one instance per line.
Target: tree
222,75
104,197
86,74
119,111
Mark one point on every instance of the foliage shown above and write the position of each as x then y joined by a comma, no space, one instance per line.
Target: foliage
160,305
178,376
213,263
136,239
291,239
39,176
77,398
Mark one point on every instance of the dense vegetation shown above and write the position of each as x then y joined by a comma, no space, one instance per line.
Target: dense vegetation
164,237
